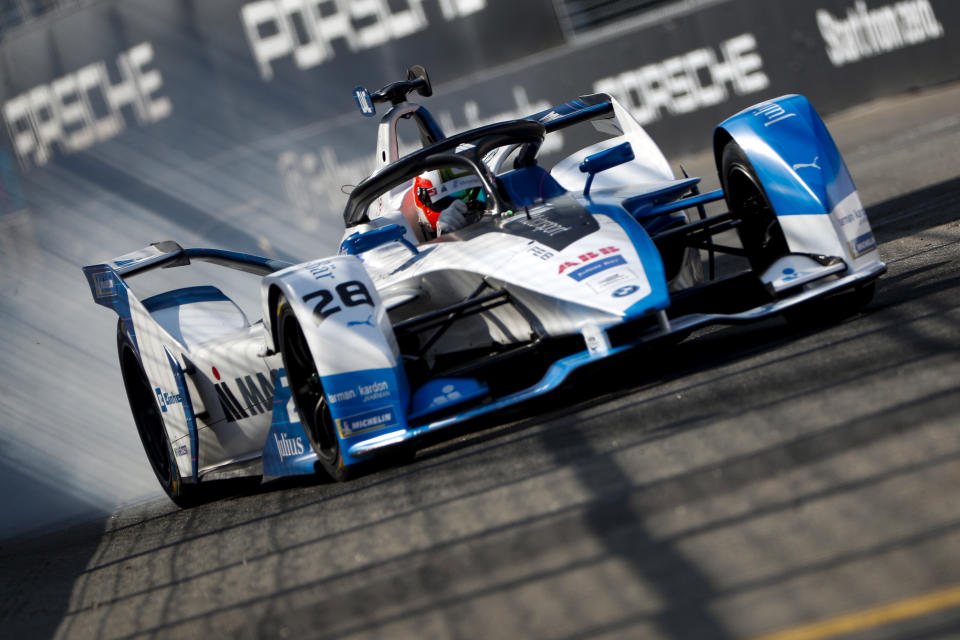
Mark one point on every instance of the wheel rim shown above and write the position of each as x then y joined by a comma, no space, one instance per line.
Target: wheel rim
307,391
147,417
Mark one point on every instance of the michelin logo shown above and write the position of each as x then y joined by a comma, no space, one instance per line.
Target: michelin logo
867,33
864,244
368,420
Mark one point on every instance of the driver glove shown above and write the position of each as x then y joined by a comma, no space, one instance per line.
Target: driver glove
452,218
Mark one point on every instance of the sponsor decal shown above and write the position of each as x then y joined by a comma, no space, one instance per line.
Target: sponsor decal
868,33
105,285
789,274
689,82
181,450
853,217
84,107
808,165
540,252
863,244
366,421
540,223
623,292
165,398
586,257
772,113
854,228
374,391
612,280
288,447
255,396
300,28
366,392
362,323
448,393
594,268
342,396
322,269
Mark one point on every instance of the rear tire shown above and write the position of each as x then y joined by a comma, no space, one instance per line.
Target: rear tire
759,229
150,426
308,394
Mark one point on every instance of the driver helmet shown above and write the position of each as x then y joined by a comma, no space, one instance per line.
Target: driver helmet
434,191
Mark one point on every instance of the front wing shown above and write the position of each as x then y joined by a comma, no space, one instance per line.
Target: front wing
561,370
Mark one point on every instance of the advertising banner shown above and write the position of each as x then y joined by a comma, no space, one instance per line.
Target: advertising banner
237,113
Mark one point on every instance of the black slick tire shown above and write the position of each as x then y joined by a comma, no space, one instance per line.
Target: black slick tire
150,426
308,394
759,229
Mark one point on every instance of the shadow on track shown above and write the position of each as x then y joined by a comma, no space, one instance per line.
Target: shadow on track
613,515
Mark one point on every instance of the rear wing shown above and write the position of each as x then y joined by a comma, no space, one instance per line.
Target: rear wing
106,280
591,107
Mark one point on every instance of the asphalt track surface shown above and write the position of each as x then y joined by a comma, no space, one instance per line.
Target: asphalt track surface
752,480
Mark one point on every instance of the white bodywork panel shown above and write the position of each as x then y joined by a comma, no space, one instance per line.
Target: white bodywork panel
649,166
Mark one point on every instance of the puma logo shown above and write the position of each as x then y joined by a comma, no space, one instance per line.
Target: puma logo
812,165
357,323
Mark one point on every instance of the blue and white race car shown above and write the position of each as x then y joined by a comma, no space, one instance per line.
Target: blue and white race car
403,334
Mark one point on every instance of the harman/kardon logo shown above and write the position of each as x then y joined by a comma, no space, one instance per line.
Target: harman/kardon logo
867,33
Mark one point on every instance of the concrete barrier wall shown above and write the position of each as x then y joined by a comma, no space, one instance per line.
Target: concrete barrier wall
232,124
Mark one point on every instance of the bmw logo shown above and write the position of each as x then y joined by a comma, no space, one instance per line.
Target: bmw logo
622,292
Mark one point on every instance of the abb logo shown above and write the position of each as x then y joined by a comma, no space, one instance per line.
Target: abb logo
587,257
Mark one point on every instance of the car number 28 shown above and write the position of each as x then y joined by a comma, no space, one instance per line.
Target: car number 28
349,294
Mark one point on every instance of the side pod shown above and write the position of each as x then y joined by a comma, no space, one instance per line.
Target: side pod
804,177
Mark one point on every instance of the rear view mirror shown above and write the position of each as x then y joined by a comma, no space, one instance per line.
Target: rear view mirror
607,159
603,160
361,242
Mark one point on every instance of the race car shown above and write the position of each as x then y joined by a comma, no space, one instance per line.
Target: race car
406,332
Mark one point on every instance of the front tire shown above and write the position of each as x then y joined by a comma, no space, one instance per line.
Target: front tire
308,394
759,230
150,426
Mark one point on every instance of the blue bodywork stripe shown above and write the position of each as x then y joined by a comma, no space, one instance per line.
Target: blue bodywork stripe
110,291
287,450
558,372
685,203
355,398
183,296
188,413
659,297
793,154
